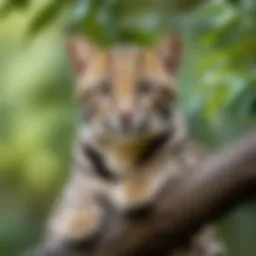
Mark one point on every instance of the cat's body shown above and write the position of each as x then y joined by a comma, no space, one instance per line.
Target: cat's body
132,138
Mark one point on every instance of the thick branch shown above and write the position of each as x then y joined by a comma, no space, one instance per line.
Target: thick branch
222,182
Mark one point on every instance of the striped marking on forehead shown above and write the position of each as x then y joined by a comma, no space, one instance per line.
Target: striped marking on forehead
125,58
133,62
125,68
151,64
98,69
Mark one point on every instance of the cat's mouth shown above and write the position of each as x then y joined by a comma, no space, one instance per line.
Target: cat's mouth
126,128
126,135
115,129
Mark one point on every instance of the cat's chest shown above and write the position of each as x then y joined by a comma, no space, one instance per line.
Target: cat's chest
134,159
136,182
120,165
139,185
126,164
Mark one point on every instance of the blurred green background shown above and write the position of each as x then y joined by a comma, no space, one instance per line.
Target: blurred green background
39,115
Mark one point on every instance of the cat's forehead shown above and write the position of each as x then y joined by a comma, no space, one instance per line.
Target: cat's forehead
124,66
131,60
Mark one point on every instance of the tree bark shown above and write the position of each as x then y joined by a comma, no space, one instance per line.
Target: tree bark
222,182
186,204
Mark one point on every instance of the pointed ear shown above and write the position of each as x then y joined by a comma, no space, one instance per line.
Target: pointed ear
169,49
79,51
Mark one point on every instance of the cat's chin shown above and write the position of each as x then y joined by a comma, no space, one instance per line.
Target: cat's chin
130,138
125,139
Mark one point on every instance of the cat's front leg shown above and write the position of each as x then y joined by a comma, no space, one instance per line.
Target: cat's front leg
136,194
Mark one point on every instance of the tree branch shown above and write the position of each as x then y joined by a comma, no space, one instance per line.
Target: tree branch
187,203
191,201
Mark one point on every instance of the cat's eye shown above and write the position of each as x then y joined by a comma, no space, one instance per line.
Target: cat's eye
104,88
145,87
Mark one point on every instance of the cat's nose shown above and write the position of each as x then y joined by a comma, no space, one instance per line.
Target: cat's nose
125,114
126,117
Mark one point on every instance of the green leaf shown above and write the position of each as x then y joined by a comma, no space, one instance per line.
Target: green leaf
46,16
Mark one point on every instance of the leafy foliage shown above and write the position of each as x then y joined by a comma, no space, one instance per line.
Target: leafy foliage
38,113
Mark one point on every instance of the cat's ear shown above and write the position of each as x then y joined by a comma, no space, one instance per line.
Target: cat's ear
79,51
169,50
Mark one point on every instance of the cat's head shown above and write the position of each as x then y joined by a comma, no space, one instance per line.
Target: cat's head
127,91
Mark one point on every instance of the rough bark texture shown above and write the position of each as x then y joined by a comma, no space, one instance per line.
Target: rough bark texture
221,183
187,203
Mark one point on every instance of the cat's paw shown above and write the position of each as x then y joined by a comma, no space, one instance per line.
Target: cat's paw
133,193
138,192
77,226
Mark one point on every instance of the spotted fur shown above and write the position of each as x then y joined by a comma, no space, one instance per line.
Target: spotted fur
132,139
